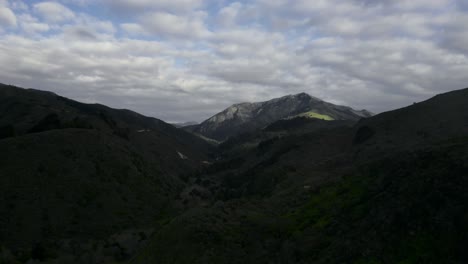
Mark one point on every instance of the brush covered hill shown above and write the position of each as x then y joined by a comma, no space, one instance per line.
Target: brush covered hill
390,189
248,117
442,117
282,128
85,183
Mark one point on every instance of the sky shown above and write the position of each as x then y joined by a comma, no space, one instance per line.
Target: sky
185,60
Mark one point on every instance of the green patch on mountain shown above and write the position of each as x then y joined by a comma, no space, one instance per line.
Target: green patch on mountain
316,115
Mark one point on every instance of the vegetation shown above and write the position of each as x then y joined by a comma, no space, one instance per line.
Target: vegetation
316,115
80,184
76,179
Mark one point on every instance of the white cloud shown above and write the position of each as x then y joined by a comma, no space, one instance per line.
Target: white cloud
133,29
145,5
54,12
18,5
227,16
422,4
79,2
31,26
170,25
345,26
7,17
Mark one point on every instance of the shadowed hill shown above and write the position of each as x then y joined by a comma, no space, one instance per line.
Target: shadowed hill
442,117
282,128
73,173
380,194
29,111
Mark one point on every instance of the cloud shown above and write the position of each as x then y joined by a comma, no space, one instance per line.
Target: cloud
227,16
183,60
422,4
7,17
53,12
133,29
18,5
126,6
169,25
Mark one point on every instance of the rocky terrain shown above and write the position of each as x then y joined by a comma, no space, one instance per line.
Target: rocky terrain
248,117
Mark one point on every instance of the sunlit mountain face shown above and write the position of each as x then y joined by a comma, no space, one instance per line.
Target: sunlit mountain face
249,117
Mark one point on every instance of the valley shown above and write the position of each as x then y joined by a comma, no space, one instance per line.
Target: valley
290,180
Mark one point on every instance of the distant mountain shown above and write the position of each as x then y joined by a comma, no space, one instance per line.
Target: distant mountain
245,117
184,124
85,175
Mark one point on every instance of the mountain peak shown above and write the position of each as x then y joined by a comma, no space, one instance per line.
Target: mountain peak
245,117
303,94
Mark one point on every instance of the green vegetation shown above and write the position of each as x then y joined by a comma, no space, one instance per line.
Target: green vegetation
382,211
316,115
322,207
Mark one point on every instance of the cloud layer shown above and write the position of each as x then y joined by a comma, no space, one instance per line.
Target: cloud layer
182,60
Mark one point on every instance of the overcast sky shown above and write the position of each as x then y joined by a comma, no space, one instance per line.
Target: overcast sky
184,60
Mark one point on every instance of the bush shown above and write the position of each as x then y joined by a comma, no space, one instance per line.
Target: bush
7,131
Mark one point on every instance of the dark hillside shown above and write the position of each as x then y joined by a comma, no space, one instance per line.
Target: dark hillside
442,117
380,194
83,174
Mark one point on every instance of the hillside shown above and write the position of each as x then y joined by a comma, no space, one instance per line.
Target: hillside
84,183
439,118
377,192
248,117
78,176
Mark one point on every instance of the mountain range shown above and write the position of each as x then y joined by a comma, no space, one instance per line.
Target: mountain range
292,180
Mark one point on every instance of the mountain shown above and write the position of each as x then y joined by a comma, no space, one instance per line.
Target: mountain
388,189
441,117
85,183
246,117
184,124
296,126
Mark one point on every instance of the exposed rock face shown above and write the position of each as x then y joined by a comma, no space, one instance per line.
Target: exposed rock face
245,117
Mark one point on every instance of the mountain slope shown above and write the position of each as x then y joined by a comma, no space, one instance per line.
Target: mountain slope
344,195
440,117
82,174
184,124
247,117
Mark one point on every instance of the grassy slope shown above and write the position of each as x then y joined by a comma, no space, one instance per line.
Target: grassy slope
312,114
